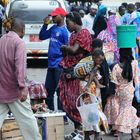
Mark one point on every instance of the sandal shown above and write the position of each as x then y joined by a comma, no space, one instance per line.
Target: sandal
78,137
115,134
71,135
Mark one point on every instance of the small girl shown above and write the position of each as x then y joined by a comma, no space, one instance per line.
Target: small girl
89,83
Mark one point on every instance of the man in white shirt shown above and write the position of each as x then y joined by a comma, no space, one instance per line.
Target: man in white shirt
89,19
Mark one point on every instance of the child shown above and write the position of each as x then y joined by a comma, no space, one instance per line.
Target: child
86,98
104,72
90,87
90,65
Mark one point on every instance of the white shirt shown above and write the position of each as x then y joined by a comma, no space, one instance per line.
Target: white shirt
88,21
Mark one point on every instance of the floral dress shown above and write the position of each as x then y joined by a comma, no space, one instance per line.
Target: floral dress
109,39
69,88
119,109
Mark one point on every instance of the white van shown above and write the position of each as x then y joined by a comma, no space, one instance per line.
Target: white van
32,12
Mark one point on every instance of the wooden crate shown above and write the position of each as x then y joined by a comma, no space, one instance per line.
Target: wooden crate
55,128
10,131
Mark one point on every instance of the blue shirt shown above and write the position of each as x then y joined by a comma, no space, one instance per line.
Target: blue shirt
58,36
129,18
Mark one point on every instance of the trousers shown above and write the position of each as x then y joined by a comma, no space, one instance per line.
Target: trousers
23,116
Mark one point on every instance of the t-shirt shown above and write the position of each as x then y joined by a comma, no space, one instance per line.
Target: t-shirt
58,37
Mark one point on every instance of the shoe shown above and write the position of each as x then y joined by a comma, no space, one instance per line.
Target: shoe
116,134
71,135
78,137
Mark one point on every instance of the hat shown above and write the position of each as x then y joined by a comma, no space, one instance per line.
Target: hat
82,11
94,6
58,11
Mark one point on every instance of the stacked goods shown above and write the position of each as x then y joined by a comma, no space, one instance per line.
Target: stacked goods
10,131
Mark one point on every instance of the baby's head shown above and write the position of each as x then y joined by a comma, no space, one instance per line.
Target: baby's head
98,56
86,98
97,44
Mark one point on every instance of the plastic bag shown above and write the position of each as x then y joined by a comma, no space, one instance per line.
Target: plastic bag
37,90
89,114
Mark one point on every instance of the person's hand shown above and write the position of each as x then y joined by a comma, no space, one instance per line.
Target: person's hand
47,20
63,50
24,94
85,89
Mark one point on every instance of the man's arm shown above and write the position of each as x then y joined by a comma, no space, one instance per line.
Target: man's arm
44,33
20,69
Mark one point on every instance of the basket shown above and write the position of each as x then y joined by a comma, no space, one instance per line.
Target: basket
89,113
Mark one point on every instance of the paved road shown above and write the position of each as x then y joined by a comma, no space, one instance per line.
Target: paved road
39,74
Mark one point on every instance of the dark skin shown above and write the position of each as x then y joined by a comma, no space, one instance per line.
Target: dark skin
75,49
19,28
122,11
131,8
72,27
93,75
58,19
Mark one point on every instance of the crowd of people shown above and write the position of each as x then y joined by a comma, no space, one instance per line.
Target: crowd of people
83,58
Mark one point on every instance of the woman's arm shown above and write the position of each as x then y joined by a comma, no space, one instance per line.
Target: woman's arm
71,50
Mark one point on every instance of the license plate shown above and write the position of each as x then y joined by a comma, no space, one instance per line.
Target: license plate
34,38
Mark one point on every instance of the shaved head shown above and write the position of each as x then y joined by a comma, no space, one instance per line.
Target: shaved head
18,25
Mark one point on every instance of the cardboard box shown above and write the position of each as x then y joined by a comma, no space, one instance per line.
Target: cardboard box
54,121
10,131
54,125
55,128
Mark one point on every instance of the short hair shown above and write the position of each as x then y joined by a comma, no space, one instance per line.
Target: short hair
137,4
97,43
121,7
131,6
97,52
125,4
75,17
13,24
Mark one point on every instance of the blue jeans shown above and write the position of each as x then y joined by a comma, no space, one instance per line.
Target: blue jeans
51,83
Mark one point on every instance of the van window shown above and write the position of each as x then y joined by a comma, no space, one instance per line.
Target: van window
32,11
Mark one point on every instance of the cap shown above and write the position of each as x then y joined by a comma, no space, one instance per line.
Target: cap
58,11
82,11
94,6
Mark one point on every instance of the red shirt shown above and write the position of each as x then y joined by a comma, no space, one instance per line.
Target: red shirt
12,67
84,39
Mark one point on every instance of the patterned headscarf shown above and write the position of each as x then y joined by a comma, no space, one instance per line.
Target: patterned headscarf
112,22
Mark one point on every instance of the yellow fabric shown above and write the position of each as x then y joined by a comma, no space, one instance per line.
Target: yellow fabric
5,2
84,67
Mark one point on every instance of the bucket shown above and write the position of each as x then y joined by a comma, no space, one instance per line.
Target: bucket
126,36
